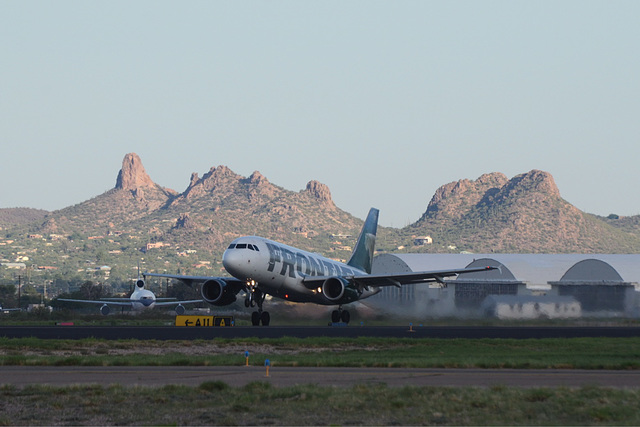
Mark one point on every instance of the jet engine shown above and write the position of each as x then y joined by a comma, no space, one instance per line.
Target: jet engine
105,309
179,309
140,283
218,292
339,290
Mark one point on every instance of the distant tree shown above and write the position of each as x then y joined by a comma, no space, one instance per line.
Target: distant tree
29,295
613,216
183,292
76,237
89,290
101,255
8,297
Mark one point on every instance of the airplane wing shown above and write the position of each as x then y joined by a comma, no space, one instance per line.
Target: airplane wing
398,279
158,301
176,302
126,303
190,280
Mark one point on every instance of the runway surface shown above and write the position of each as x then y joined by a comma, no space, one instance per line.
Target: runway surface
238,376
190,333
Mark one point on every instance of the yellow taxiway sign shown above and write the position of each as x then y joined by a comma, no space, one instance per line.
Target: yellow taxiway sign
188,320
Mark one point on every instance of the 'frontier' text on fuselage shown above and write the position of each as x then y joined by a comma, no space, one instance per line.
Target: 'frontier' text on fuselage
303,262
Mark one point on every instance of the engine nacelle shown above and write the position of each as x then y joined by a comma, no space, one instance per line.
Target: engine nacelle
105,309
339,290
139,283
218,292
180,309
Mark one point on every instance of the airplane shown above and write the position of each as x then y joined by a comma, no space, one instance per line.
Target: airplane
261,267
6,310
140,299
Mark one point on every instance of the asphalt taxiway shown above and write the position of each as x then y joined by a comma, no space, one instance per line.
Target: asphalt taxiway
238,376
191,333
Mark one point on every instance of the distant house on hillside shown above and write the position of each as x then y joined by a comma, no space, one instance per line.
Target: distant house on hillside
422,240
156,245
15,265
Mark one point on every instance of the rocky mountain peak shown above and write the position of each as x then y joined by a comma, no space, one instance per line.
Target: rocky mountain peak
217,176
452,200
319,191
493,179
132,176
211,181
257,178
492,214
533,181
194,179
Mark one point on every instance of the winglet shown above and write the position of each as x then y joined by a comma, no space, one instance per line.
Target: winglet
362,256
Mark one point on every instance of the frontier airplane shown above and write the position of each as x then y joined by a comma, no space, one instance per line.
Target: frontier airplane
263,267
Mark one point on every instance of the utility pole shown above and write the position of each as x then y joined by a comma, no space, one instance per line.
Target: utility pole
19,286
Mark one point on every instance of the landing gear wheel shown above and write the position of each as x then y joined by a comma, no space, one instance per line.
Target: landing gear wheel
255,318
256,297
265,318
345,316
340,316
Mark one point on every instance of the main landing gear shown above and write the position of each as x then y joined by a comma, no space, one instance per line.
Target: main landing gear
340,315
256,297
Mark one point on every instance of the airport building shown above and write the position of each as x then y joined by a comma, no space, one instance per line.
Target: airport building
525,286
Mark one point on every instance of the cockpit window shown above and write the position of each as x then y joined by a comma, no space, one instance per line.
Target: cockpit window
244,246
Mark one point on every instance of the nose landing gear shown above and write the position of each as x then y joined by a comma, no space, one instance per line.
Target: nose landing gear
256,297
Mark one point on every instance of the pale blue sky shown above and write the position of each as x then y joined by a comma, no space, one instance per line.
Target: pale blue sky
383,101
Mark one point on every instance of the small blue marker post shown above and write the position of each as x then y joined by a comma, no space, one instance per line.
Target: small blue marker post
267,364
411,327
246,357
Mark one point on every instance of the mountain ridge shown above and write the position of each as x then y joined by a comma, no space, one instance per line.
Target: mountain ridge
523,214
490,214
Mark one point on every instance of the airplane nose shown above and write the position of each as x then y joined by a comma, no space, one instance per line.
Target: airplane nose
240,261
232,260
227,258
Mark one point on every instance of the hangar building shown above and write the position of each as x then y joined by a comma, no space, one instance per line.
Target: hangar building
601,285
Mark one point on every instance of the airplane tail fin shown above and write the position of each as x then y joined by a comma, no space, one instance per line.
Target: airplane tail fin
362,255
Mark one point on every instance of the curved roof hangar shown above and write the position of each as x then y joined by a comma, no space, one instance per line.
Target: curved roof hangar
533,269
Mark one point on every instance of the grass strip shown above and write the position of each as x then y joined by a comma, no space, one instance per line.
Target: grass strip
215,403
575,353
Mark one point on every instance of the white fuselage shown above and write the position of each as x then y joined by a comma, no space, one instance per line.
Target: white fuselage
280,269
142,298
